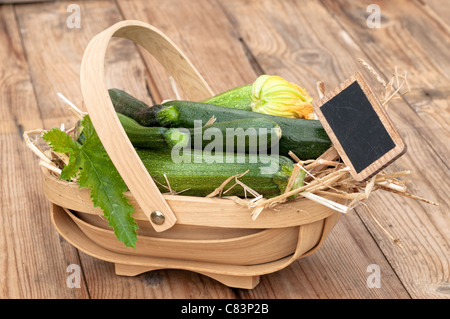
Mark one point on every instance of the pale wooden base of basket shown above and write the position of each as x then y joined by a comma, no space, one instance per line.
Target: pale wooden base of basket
237,276
126,265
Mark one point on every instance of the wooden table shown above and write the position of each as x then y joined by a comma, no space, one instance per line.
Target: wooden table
231,43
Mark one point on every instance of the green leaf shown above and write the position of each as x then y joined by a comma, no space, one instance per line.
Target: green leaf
60,141
97,172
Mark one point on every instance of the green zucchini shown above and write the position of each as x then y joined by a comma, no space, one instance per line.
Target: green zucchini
145,137
305,138
128,105
200,173
237,98
241,136
254,135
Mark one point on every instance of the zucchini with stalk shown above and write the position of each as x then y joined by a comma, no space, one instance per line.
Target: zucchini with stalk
199,173
305,138
242,136
145,137
128,105
124,103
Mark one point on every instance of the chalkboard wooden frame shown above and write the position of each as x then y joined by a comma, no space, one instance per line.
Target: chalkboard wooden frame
390,144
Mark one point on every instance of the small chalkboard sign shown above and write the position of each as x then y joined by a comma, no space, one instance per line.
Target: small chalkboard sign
359,128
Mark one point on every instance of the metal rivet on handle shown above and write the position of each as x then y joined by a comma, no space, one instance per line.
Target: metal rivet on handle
157,217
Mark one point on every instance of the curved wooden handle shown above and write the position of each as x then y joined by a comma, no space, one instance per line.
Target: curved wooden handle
104,117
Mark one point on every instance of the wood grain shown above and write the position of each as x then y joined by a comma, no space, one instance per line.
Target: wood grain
402,42
208,40
321,275
33,262
438,10
58,69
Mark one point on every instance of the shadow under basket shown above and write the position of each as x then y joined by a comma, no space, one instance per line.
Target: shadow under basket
216,237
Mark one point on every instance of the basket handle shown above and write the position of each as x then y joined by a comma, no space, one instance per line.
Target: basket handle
105,120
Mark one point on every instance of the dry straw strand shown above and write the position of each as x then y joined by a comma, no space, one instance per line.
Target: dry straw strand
321,88
73,108
373,72
395,240
219,190
388,94
34,147
293,177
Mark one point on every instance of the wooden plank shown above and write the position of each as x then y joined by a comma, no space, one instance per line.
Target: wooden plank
342,274
16,86
439,10
156,284
33,261
124,69
205,35
419,152
56,68
330,54
21,1
405,41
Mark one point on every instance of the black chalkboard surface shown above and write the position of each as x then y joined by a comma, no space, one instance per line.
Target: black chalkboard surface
359,128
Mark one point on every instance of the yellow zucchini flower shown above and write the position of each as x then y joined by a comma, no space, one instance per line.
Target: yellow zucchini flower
275,96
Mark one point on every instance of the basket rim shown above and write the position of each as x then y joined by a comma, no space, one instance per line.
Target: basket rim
191,210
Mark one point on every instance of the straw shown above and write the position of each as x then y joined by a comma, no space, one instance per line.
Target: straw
395,240
73,108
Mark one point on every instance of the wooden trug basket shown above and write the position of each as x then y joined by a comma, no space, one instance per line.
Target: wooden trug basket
211,236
